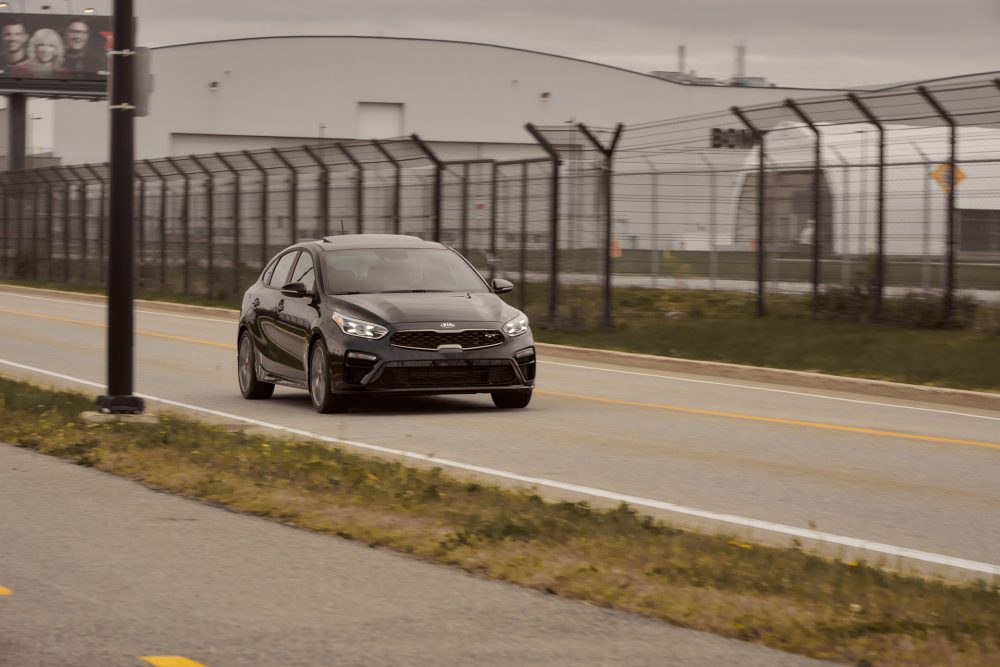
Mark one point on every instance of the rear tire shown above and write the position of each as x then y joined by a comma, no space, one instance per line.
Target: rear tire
246,371
323,398
506,400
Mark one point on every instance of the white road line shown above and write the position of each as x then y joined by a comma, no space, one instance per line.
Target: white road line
745,522
777,391
589,368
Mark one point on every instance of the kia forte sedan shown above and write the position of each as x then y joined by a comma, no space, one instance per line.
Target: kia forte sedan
381,314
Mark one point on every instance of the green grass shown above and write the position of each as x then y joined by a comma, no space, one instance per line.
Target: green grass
721,326
742,265
940,358
781,597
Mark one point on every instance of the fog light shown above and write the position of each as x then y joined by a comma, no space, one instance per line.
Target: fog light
526,352
361,356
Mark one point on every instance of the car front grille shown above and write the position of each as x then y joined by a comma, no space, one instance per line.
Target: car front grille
482,373
470,339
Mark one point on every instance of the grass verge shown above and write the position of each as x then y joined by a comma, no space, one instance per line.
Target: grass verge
854,613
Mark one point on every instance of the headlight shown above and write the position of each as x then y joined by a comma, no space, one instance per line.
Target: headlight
359,328
516,326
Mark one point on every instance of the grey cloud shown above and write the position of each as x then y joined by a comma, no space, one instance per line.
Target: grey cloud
849,41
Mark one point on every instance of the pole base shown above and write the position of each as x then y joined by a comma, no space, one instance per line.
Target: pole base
120,405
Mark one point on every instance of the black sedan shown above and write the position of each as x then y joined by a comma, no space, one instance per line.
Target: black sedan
369,314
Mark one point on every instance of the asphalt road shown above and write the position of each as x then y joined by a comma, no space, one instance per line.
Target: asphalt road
102,571
911,475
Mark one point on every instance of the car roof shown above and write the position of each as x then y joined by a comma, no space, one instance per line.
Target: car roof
374,241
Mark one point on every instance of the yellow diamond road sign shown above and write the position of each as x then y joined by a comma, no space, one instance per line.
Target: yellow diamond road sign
941,173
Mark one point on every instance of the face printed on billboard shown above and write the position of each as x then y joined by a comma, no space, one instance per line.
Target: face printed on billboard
53,46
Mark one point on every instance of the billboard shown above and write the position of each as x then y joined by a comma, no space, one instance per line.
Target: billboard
53,48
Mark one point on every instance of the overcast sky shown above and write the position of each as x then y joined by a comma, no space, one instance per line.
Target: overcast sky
816,43
792,42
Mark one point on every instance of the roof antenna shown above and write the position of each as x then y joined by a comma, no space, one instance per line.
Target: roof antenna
342,230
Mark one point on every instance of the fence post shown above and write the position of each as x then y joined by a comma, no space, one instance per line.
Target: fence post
606,185
141,227
759,135
185,224
949,279
465,211
925,268
293,199
36,192
263,205
553,219
82,209
438,190
237,196
21,192
817,239
880,220
5,195
494,218
50,220
324,190
210,215
522,301
101,235
397,190
162,220
58,171
359,188
713,260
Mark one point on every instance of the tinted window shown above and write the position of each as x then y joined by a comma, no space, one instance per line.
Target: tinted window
281,269
368,270
304,272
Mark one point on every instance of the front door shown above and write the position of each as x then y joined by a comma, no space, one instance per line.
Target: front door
270,343
296,316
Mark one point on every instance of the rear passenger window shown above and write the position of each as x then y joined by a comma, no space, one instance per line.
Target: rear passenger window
280,276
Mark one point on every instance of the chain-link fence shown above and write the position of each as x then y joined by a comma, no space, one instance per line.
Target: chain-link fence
876,194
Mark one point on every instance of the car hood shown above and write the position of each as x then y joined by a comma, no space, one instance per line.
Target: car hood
427,307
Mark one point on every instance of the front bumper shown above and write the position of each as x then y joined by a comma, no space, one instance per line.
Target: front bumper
370,367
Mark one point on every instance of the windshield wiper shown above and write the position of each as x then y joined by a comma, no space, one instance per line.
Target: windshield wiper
409,291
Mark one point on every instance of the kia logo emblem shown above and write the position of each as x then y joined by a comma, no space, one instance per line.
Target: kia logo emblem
448,325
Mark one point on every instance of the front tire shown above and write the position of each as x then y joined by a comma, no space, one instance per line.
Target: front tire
323,398
507,400
246,371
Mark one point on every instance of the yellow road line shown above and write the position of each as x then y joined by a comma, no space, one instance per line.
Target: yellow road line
101,325
774,420
598,399
170,661
5,591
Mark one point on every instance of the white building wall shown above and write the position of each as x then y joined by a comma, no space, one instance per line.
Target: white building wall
271,90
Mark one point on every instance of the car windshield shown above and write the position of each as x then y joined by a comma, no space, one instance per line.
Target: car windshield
385,270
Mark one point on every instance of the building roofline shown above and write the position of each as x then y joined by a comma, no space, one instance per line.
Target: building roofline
493,46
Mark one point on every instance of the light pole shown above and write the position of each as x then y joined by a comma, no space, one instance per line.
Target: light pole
120,353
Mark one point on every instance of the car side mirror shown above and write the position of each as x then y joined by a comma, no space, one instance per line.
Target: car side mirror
501,286
295,290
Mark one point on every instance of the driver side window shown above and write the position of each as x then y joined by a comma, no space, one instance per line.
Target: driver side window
304,272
